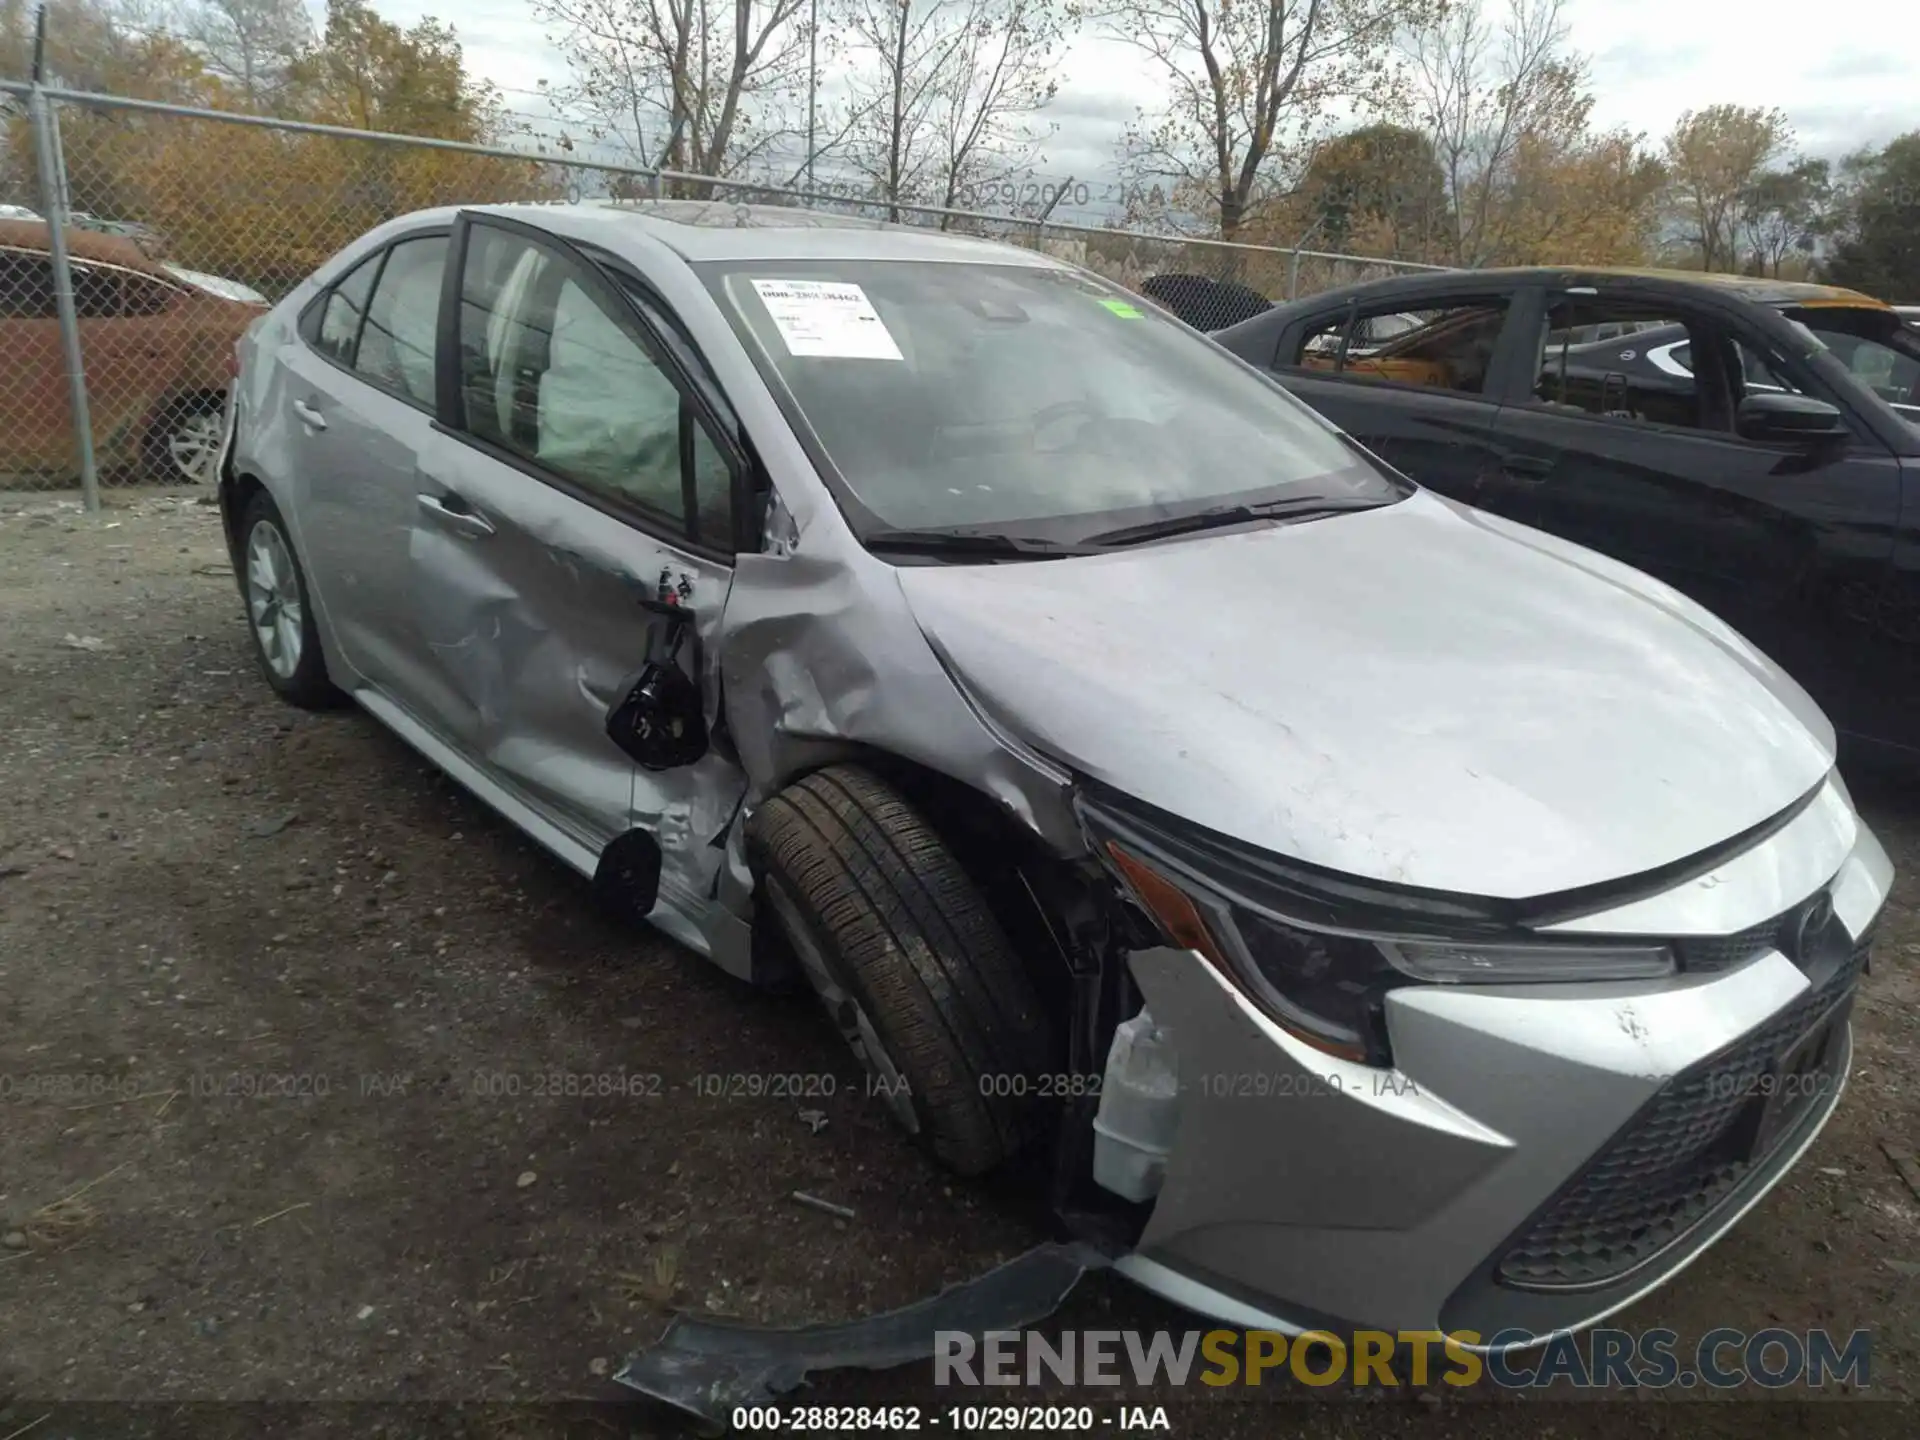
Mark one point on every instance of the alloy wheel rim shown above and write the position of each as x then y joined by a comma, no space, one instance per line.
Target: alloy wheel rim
194,446
273,599
849,1016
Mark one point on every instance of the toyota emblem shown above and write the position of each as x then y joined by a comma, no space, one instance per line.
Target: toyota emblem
1813,919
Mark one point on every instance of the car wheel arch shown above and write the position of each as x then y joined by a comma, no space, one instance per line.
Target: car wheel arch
987,838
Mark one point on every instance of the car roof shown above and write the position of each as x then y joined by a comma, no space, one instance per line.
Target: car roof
700,230
1757,289
81,244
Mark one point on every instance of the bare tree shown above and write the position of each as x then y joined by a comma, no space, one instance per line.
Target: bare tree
945,91
1483,91
250,43
1248,79
690,85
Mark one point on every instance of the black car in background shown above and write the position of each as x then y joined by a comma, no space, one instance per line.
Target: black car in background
1754,443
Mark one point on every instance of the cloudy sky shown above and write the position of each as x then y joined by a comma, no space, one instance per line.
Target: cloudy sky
1845,82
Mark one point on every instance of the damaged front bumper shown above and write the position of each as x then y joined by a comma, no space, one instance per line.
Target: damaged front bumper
1536,1158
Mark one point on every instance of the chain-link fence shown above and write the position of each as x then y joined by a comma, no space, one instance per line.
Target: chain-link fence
138,240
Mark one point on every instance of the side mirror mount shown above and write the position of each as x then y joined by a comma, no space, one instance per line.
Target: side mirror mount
660,718
1795,419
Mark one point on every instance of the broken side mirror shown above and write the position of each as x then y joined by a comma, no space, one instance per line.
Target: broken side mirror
660,718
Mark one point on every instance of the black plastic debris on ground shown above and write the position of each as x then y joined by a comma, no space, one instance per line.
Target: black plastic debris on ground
705,1368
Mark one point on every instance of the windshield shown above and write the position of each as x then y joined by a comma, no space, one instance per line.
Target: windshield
1881,353
988,396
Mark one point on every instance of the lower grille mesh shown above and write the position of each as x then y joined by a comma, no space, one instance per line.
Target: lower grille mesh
1672,1164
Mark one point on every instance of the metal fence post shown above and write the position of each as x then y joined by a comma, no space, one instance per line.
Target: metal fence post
53,201
1293,276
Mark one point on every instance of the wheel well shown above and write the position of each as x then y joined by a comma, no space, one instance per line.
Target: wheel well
185,402
1030,889
239,492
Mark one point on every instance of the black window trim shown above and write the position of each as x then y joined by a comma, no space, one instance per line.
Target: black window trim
449,418
313,313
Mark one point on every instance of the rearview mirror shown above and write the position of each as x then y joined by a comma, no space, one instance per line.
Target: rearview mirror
1771,415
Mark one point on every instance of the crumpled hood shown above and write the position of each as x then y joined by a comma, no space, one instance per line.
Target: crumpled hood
1421,694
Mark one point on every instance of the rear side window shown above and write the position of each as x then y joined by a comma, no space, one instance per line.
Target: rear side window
396,349
345,308
26,286
1445,348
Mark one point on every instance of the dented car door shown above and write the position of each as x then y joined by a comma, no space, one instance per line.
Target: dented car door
574,513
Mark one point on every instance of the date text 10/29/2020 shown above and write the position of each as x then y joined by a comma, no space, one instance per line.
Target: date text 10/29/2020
959,1419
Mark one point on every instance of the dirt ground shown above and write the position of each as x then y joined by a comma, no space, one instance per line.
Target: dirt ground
317,1083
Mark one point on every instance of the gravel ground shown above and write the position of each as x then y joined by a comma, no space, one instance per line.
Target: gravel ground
318,1083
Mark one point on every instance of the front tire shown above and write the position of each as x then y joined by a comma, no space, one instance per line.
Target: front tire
909,960
286,641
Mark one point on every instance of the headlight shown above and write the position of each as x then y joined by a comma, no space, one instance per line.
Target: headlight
1522,964
1318,955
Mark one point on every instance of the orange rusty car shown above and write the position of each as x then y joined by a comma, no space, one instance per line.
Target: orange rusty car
157,350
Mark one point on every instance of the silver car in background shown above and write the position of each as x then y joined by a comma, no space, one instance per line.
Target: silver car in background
1353,908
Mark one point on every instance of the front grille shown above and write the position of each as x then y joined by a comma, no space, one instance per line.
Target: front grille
1672,1164
1723,952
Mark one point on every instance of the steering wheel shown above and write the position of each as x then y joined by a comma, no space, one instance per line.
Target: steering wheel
1049,416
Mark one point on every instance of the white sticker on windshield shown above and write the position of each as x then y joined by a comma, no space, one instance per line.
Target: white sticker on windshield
828,318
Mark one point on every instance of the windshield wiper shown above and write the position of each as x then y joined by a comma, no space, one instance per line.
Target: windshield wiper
1294,506
987,543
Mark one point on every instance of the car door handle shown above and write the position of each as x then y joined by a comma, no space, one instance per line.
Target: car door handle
309,416
454,513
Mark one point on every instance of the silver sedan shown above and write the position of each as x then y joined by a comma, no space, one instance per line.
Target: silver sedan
1353,908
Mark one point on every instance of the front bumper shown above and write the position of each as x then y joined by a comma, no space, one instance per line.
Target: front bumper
1536,1159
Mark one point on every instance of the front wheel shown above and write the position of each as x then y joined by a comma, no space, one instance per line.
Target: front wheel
909,961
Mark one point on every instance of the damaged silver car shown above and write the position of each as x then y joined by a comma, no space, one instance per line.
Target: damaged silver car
1352,908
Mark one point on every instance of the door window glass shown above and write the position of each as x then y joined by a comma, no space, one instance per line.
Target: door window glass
141,296
26,286
346,306
1448,348
397,343
1642,364
96,292
554,375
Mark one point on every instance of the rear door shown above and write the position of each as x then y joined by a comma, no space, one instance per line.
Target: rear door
1408,379
583,487
354,395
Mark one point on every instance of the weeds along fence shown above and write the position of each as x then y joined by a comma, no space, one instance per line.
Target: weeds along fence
138,239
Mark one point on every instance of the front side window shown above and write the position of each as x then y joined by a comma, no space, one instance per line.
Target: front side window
1645,369
397,344
964,395
96,291
552,374
141,296
1448,348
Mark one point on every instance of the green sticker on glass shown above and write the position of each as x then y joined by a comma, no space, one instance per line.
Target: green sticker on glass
1125,309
